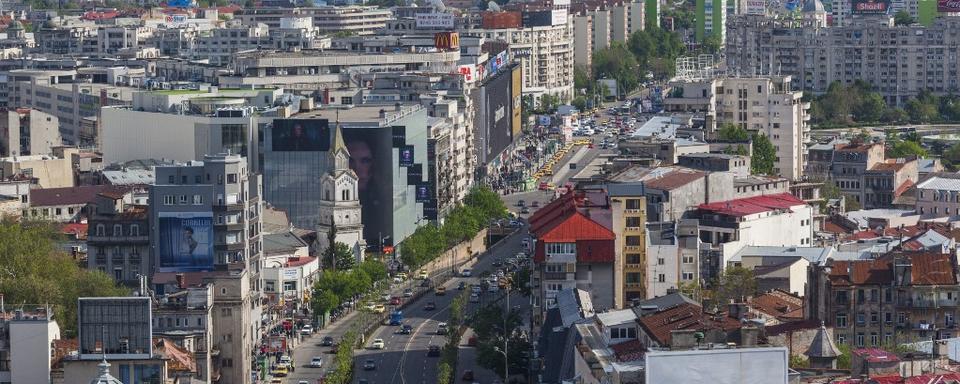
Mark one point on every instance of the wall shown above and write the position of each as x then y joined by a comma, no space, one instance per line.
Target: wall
797,341
50,172
30,349
599,280
671,257
457,255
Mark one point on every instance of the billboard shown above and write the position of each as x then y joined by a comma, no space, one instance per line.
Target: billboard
423,193
434,20
741,365
301,135
537,19
186,241
559,17
515,93
755,7
406,156
870,7
948,5
499,113
371,152
469,72
447,40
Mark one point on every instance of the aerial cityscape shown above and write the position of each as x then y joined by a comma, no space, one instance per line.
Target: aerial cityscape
479,191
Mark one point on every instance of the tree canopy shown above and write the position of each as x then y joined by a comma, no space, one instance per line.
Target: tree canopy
764,155
733,132
735,283
34,271
334,287
902,18
616,62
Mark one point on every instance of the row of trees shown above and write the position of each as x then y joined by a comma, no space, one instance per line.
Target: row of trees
35,271
334,287
858,103
764,155
343,361
426,244
450,354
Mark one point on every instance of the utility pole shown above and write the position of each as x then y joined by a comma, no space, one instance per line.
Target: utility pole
506,338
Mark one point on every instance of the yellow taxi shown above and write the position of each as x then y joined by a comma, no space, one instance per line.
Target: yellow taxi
379,308
280,371
402,276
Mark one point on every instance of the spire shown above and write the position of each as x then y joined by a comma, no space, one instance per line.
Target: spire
822,345
338,143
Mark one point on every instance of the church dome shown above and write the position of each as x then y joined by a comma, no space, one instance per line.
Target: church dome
104,377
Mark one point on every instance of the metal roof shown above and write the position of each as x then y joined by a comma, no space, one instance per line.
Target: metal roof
940,183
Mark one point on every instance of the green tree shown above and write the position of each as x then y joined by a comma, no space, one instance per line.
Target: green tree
870,108
894,115
843,361
34,271
374,270
735,283
323,301
444,373
951,157
616,62
580,103
733,132
902,18
488,324
924,108
851,204
710,45
904,148
345,257
582,79
764,155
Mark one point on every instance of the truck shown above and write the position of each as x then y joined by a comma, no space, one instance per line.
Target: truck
396,318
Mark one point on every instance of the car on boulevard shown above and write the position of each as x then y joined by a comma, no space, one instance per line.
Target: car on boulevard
423,275
476,289
327,341
466,272
377,344
442,329
440,290
405,329
316,362
430,306
462,286
280,371
474,298
407,292
307,330
425,283
433,351
379,308
369,365
395,300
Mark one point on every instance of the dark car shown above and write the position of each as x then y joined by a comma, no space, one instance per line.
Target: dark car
336,347
468,375
525,210
430,306
327,341
369,365
425,283
497,263
521,203
535,204
405,329
461,286
433,351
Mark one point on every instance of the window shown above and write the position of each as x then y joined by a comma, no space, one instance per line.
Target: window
197,200
117,230
561,248
688,259
634,241
887,317
687,276
841,320
59,212
860,339
842,297
887,295
861,318
554,286
633,278
661,278
874,339
633,258
661,261
860,296
169,200
633,222
633,204
874,317
232,178
888,338
101,230
554,268
623,333
345,195
183,199
901,318
171,179
225,312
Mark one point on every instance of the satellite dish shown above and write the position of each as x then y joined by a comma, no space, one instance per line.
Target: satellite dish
493,6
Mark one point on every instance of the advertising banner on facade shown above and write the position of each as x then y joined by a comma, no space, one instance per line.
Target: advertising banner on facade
186,241
559,17
446,40
755,7
870,7
301,135
290,274
434,20
406,156
948,5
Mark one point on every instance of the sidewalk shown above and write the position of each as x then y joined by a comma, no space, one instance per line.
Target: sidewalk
467,360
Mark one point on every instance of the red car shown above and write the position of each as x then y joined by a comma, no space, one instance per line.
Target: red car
394,300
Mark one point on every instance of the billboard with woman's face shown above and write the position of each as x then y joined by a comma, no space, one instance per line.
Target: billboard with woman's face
371,159
301,135
186,241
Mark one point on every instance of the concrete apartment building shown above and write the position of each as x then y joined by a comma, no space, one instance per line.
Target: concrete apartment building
26,345
862,173
898,61
65,95
544,50
205,225
218,46
768,105
186,318
939,195
359,20
28,132
598,23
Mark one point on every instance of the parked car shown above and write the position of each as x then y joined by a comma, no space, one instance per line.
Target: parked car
535,204
327,341
395,300
306,330
407,292
474,298
377,344
461,286
316,362
466,272
525,210
433,351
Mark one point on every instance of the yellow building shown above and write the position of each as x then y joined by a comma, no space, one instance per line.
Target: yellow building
629,211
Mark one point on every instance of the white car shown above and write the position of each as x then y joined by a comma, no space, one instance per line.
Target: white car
316,362
466,272
307,330
377,344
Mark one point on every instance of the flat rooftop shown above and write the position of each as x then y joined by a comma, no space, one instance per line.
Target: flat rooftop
358,114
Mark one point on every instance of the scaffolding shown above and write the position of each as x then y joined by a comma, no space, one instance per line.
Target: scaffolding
698,68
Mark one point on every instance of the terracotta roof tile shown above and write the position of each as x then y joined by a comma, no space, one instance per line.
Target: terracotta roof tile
861,272
683,316
779,304
629,350
85,194
903,188
673,180
932,269
875,355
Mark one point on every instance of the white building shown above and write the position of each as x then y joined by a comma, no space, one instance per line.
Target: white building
743,365
26,346
782,268
774,220
288,270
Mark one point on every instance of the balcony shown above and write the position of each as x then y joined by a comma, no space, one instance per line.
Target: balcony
118,239
554,276
633,248
633,267
633,211
633,285
632,229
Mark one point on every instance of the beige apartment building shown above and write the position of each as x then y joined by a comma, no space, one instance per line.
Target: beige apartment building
628,208
597,24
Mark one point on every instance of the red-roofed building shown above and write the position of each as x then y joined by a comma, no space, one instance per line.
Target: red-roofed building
779,220
874,362
895,298
574,247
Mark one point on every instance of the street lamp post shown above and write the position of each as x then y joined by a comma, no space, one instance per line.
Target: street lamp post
506,338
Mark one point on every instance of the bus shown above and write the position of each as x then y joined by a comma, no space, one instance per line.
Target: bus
396,318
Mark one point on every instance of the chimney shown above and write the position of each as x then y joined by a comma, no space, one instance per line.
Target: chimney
180,283
749,336
396,107
383,114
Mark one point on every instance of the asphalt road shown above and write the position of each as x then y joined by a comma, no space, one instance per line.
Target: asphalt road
404,359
